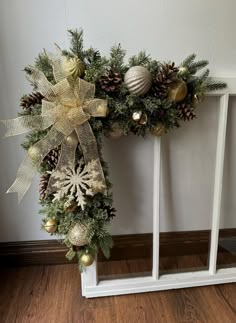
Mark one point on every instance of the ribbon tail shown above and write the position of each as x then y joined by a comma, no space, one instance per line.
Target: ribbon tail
24,177
21,125
90,152
29,166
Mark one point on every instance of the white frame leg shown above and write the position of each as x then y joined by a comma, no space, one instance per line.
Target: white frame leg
89,278
156,207
219,169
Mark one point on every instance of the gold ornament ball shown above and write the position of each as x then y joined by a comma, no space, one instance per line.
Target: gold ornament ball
34,153
138,80
158,130
139,117
74,67
87,259
72,139
178,91
78,235
51,226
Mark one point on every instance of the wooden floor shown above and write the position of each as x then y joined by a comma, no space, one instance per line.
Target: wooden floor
48,294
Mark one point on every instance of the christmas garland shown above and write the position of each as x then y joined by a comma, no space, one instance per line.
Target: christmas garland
79,97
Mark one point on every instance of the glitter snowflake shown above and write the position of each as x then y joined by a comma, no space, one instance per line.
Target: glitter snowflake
75,184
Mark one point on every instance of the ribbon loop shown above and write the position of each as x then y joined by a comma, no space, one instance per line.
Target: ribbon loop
40,81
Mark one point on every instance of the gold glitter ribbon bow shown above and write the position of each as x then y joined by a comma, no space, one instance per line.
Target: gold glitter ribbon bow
66,109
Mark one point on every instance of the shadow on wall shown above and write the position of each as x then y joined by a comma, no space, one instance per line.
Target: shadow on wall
131,172
187,174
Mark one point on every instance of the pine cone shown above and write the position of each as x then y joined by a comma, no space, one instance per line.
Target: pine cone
186,112
52,158
43,184
110,81
27,101
165,77
110,212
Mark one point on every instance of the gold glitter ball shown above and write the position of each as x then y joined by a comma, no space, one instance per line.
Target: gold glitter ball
51,226
78,235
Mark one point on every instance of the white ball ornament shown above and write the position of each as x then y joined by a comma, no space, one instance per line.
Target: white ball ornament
138,80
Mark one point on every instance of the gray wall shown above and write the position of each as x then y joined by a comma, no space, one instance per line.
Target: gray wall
168,30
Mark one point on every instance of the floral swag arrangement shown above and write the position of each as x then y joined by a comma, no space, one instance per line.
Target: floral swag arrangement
79,97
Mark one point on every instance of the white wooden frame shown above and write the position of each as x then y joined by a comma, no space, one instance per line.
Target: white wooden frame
91,287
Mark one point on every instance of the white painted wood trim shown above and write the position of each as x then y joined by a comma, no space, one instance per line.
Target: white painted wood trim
165,282
156,206
89,278
219,169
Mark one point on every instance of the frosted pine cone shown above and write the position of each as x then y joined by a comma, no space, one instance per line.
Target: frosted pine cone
28,101
186,112
110,81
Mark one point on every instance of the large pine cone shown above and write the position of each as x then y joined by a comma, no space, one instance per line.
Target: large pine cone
28,101
43,184
52,158
186,112
165,77
110,81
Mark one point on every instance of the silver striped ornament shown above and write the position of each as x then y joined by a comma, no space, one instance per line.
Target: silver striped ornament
138,80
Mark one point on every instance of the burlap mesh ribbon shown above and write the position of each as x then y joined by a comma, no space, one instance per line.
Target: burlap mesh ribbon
67,107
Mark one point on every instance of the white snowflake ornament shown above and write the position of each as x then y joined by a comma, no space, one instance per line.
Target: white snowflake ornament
75,184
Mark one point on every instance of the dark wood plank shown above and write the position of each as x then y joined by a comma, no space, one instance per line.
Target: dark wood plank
134,246
48,294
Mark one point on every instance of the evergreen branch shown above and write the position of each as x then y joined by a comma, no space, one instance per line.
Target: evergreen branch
91,55
67,53
203,77
213,85
188,60
42,62
154,67
117,55
106,244
141,59
76,40
196,66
